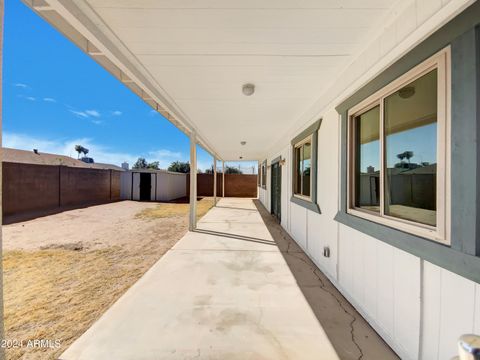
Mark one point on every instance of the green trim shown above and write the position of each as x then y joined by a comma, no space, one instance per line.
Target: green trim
463,37
277,159
312,206
460,263
312,130
307,132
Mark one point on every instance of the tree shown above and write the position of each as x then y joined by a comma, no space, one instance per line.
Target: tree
209,170
153,165
179,166
232,170
140,164
81,150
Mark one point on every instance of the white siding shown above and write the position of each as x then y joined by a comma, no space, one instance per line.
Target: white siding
419,308
170,186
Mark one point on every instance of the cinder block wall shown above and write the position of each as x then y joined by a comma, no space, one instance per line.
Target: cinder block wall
31,188
236,185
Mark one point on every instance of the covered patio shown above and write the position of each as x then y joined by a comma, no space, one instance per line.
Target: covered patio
238,287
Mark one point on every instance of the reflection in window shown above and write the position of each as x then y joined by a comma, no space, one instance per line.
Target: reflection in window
306,169
303,160
411,151
367,162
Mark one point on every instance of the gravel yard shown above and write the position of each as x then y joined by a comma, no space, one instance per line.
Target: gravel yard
61,272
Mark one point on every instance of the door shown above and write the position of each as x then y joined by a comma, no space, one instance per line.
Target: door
276,190
145,186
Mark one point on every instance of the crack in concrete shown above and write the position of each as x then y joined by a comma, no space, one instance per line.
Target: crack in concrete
334,296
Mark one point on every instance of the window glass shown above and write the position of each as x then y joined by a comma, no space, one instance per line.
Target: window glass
411,151
298,170
306,168
367,161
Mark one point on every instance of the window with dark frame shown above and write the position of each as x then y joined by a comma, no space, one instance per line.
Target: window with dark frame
264,174
303,166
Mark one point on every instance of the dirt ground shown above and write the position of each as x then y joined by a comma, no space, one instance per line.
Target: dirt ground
61,272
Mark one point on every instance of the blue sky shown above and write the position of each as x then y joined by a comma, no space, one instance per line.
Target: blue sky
55,96
415,140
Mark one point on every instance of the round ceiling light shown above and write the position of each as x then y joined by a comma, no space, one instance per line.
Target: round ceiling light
243,142
248,89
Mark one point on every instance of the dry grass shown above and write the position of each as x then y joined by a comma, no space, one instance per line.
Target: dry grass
166,210
57,294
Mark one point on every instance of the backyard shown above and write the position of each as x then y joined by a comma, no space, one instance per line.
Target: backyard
61,272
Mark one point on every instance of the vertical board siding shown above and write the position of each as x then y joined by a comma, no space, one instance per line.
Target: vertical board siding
299,224
420,309
456,314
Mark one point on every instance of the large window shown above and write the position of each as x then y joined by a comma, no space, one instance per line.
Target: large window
303,165
398,163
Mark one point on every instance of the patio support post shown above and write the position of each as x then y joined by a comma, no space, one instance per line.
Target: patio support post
193,182
223,178
2,351
214,181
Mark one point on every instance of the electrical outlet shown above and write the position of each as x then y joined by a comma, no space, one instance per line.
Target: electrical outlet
326,251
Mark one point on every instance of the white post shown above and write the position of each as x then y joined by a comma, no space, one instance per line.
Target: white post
2,353
193,182
223,178
214,181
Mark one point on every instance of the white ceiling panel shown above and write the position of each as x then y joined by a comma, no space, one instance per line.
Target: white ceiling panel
200,52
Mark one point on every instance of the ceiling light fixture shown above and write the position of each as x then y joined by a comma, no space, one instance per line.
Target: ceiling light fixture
243,142
248,89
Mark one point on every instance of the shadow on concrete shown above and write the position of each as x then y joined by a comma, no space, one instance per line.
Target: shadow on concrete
351,336
235,236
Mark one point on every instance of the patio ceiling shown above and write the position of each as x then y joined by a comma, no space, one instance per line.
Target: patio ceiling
192,57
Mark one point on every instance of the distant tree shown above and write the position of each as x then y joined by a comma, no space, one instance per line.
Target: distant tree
179,166
232,170
140,164
79,150
85,151
199,171
209,170
153,165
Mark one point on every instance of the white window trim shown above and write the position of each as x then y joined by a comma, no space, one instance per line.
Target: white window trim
441,232
309,138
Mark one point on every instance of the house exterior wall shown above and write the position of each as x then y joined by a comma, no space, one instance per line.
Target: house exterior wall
418,307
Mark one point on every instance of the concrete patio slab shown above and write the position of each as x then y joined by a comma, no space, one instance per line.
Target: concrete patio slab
224,292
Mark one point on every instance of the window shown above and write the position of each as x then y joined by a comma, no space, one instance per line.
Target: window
398,146
259,180
264,174
303,165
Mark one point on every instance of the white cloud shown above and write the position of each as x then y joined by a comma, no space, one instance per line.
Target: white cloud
81,114
31,98
21,85
153,113
100,153
116,113
49,99
93,113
